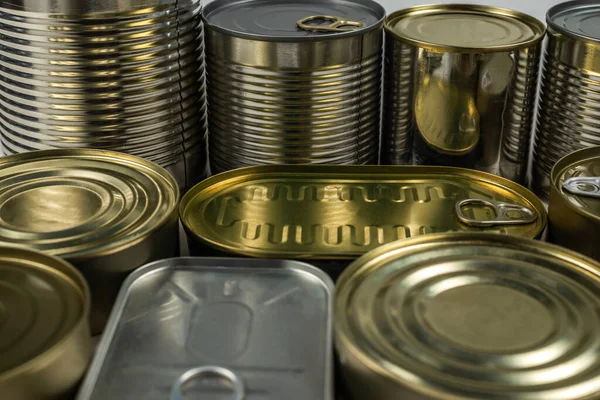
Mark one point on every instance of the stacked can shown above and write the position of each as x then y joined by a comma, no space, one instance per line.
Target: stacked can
121,76
569,114
293,81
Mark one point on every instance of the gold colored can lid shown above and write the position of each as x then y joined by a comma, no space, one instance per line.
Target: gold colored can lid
465,28
82,203
471,316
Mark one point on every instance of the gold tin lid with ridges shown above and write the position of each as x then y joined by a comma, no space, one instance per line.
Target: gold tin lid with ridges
82,203
464,28
470,316
341,212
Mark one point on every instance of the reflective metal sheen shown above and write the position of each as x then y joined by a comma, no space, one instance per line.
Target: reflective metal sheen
460,87
469,316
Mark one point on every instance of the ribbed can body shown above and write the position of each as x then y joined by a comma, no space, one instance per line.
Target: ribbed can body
128,80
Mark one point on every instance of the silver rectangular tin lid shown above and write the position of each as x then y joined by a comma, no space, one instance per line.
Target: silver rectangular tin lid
263,325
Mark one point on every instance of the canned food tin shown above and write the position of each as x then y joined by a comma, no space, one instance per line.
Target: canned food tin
118,75
107,213
44,326
293,81
460,97
469,316
570,102
341,212
574,208
244,321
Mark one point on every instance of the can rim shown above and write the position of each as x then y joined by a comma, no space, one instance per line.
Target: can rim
288,39
127,241
51,354
553,26
535,24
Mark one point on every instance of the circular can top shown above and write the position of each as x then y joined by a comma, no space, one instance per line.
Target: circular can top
79,204
293,20
43,300
465,28
579,19
473,316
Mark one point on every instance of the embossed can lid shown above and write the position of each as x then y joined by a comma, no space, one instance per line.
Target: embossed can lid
579,18
471,316
244,321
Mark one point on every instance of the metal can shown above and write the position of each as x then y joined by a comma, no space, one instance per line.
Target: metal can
107,213
568,117
469,316
293,81
574,209
244,321
118,75
44,326
463,96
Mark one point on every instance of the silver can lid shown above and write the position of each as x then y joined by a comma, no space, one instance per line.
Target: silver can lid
293,19
580,19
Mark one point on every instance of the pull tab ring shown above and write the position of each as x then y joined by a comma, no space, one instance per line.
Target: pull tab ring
236,381
506,213
336,24
583,186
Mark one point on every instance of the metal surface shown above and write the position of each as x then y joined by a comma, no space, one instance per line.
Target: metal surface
280,94
107,213
587,187
575,217
44,327
239,319
569,101
460,97
123,76
504,213
469,316
341,212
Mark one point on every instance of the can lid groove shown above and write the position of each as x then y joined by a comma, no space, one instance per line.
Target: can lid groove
579,19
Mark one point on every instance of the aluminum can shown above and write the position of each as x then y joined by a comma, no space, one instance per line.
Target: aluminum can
469,316
569,111
126,76
44,326
293,81
460,86
107,213
574,208
178,322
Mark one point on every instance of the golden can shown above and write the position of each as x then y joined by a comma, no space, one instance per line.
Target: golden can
45,342
574,208
107,213
460,87
469,316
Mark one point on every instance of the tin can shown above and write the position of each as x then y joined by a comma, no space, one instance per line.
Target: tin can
44,326
569,102
469,316
107,213
574,208
340,212
123,76
293,81
244,321
461,97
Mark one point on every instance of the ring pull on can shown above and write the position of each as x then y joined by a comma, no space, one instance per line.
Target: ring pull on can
583,186
505,213
236,380
336,24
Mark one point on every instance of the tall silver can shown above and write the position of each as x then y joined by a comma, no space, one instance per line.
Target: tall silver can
460,86
293,81
569,111
122,76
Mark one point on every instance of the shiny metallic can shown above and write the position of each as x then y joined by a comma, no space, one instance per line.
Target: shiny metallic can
460,86
569,111
178,322
469,316
45,342
107,213
574,208
122,76
293,81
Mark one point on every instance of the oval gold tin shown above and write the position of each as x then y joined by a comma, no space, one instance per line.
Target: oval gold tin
45,343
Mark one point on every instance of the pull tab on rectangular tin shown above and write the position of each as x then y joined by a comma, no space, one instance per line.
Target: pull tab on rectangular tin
583,186
505,213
